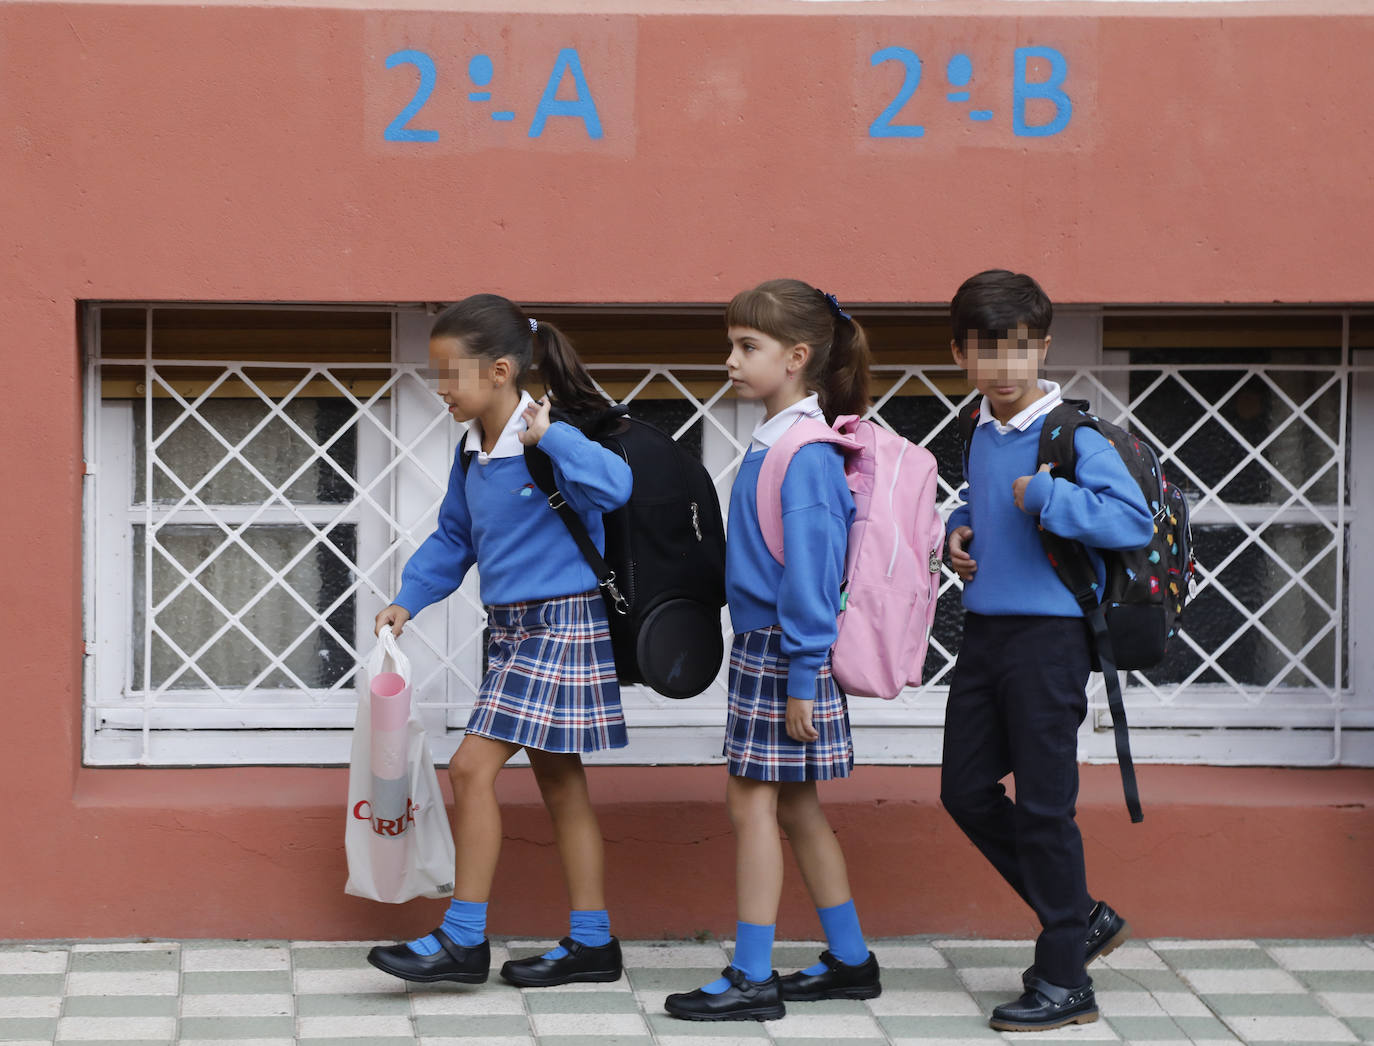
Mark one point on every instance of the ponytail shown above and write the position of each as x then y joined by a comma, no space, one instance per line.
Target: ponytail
492,327
845,385
568,382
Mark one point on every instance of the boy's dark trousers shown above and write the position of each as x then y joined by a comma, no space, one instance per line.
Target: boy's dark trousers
1015,704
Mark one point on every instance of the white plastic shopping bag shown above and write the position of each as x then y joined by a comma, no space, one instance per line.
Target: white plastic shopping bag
397,838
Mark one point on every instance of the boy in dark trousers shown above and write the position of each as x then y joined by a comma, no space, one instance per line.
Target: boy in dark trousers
1017,697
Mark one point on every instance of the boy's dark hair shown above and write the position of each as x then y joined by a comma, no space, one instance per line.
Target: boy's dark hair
797,313
490,327
998,300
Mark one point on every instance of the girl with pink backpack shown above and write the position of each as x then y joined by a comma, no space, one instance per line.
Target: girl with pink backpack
793,349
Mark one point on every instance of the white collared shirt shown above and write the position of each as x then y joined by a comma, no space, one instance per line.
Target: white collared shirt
508,444
1022,421
768,433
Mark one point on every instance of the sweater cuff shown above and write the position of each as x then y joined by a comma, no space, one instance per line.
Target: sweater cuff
801,678
558,439
411,599
1038,493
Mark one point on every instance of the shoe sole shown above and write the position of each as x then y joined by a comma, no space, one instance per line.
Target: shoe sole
596,977
460,978
759,1013
870,992
1114,942
1078,1018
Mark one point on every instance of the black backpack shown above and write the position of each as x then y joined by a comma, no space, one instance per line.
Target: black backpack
663,574
1146,588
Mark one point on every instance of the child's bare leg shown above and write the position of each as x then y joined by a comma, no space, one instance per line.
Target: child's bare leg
476,814
562,783
753,807
814,844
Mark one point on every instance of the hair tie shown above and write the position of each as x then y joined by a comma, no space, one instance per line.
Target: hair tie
834,304
534,325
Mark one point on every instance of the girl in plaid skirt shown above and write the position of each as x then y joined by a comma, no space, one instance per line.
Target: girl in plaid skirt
550,686
788,722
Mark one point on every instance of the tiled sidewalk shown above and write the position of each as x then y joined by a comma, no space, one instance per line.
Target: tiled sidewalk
935,991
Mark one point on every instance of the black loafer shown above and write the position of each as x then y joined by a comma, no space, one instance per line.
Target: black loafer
1046,1006
452,962
837,981
1107,932
744,1000
582,963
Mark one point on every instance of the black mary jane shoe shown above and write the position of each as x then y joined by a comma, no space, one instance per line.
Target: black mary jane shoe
744,1000
837,981
1045,1006
452,962
582,963
1107,932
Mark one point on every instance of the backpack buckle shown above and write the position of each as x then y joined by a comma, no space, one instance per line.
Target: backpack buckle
617,600
556,500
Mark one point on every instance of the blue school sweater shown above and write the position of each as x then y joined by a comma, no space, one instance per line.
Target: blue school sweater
803,596
497,517
1103,509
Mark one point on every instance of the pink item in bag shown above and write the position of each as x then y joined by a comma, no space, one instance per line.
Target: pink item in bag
896,542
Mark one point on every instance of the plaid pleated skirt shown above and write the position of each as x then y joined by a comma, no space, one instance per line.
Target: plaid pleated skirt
550,681
756,741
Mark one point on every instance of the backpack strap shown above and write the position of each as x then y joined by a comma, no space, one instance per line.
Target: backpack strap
1071,562
774,469
968,424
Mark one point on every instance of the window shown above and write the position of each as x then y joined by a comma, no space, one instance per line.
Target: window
258,477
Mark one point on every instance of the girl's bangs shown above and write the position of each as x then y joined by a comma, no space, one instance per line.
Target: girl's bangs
758,309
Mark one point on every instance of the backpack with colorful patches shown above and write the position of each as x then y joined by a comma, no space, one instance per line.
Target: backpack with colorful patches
1146,588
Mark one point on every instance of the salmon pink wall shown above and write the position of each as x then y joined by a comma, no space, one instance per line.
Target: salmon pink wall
236,152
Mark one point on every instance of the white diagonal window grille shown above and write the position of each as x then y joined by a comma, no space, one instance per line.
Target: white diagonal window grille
247,518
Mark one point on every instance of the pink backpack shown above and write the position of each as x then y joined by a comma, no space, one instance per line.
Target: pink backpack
896,542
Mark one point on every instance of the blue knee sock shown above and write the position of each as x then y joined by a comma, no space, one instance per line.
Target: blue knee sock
842,936
465,922
753,955
592,928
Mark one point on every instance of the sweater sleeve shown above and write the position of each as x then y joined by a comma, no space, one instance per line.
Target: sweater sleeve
439,565
1103,509
590,477
817,509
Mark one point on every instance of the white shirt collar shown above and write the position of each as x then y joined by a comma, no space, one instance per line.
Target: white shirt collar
508,444
1022,421
768,433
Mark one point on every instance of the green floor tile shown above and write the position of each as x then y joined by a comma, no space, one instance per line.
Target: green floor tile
366,1040
362,1004
329,958
600,1040
1361,1026
475,1028
665,1027
30,984
667,979
237,982
1203,1028
1264,1004
1327,980
27,1027
1020,957
120,1006
1109,980
124,962
1146,1029
941,979
937,1027
553,1001
1219,959
238,1028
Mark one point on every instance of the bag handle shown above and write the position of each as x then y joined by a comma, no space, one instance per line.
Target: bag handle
388,649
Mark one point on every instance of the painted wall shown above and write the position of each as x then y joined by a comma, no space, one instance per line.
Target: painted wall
229,152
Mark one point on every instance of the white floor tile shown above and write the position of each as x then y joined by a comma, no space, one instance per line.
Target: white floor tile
589,1024
1129,1004
30,1006
837,1027
909,957
1134,957
36,962
1165,945
1334,957
1181,1004
991,978
924,1004
686,956
139,982
479,1002
74,1029
234,960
